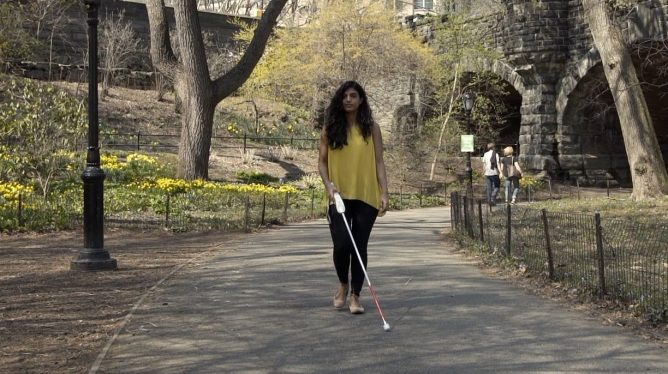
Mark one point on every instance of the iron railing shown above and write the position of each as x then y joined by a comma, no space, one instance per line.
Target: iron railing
190,211
619,258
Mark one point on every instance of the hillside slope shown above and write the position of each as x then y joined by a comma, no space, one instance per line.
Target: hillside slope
126,112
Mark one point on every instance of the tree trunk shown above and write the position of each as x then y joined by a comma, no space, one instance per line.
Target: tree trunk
190,75
196,129
194,87
445,123
648,172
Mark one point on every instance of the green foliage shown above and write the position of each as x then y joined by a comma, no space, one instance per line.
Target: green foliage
124,167
15,41
56,212
292,123
119,46
255,177
178,204
414,201
128,198
461,50
650,211
346,40
311,181
232,124
39,124
529,181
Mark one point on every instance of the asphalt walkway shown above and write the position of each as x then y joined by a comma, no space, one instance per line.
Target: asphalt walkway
263,305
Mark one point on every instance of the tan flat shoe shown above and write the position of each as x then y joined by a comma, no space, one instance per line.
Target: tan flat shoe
354,305
340,296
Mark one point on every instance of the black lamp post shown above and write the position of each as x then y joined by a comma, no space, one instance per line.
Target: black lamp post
93,256
469,99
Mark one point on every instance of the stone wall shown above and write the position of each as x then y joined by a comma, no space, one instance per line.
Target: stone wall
547,54
65,54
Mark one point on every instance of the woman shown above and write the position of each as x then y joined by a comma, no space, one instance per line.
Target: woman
490,162
351,163
512,171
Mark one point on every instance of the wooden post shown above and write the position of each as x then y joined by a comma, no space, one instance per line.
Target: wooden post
312,201
466,214
508,228
285,208
167,211
482,237
530,190
607,187
453,217
599,250
550,260
455,201
20,212
264,208
247,213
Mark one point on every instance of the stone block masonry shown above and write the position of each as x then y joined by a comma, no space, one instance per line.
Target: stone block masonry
547,53
64,55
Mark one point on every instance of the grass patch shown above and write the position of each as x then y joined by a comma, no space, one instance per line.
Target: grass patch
643,211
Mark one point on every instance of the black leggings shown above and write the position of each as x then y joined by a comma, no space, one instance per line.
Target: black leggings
361,217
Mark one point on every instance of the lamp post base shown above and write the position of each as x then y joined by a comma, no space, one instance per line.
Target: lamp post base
91,260
469,175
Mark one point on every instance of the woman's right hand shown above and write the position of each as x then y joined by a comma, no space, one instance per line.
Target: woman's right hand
331,190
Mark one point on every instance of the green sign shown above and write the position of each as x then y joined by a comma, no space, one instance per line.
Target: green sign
467,143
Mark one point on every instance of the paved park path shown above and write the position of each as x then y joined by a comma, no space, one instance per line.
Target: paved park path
263,305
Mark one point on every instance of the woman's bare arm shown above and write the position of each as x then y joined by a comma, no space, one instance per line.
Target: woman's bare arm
380,167
517,166
323,169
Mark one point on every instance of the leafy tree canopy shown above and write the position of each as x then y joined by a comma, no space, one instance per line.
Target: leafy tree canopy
39,125
346,40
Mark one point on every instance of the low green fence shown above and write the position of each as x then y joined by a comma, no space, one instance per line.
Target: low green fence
139,141
623,259
196,210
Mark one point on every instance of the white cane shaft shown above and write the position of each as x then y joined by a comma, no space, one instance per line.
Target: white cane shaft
357,252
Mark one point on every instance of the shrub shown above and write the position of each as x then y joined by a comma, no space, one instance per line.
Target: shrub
247,156
288,152
272,154
39,123
311,181
256,177
529,181
121,168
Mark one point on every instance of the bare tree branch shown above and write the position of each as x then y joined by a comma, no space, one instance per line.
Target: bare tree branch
162,54
233,79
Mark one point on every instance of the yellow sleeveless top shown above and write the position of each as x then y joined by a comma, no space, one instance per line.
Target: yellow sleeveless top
352,169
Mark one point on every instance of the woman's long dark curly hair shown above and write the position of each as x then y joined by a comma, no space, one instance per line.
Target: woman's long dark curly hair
336,124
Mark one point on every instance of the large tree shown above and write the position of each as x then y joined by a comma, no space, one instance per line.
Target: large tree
347,39
648,171
189,73
460,42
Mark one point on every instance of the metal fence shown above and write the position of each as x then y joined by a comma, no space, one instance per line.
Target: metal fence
551,188
139,141
619,258
233,212
191,211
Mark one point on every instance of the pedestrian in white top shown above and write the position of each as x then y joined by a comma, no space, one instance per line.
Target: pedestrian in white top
491,162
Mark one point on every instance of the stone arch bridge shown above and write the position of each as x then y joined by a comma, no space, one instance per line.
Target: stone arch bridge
567,125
